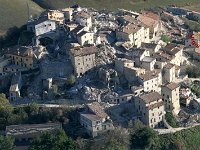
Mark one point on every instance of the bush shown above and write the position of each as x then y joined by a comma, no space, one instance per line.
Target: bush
171,120
166,39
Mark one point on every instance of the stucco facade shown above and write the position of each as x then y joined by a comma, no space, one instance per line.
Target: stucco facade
170,94
150,109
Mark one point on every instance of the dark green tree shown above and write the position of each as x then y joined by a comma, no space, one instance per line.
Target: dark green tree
145,138
59,141
6,143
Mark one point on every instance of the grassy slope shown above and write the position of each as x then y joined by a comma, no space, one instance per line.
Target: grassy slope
113,4
189,138
14,13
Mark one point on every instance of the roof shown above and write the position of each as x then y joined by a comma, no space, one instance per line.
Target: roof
148,18
78,29
137,52
172,86
23,129
20,51
90,116
150,14
169,47
169,66
150,97
128,18
82,51
150,75
130,28
97,109
82,33
148,59
149,45
83,14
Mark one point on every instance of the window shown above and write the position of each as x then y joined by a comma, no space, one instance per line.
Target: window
163,94
97,128
152,114
168,96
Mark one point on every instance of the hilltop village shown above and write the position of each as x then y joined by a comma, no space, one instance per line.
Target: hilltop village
117,66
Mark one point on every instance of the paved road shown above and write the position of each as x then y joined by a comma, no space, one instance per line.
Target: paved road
173,130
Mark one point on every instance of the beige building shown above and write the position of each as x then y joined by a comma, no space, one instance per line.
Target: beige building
137,55
68,14
169,73
85,38
176,51
150,109
83,59
95,120
83,18
135,34
55,15
21,56
131,73
151,21
121,63
170,94
151,80
148,63
14,91
151,47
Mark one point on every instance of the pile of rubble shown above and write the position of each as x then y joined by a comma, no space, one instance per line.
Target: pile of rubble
106,55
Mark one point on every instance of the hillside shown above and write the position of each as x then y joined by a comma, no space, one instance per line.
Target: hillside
15,13
113,4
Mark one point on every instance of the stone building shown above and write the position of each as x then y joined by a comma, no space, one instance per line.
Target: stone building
170,94
151,80
150,109
83,59
95,120
135,34
22,58
85,38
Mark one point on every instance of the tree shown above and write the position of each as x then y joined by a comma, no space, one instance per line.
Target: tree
6,143
33,109
5,111
48,141
71,80
145,138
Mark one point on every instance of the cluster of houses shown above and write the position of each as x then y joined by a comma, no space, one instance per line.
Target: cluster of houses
150,66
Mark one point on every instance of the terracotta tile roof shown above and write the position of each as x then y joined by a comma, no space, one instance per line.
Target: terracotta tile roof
150,97
82,51
19,50
151,15
172,86
97,110
169,66
91,116
130,28
150,75
156,105
83,14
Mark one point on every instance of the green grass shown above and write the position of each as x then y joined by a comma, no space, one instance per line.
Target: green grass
15,13
114,4
183,140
